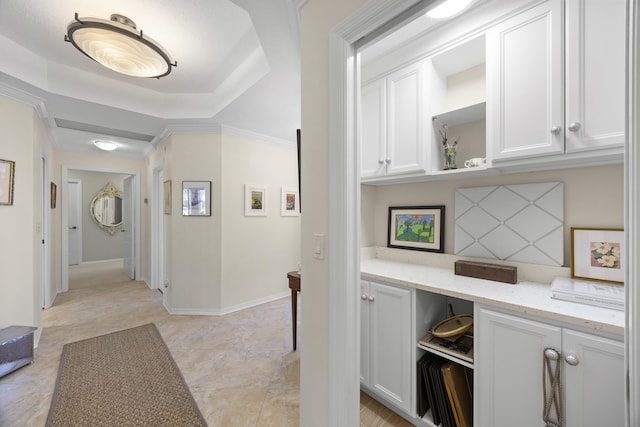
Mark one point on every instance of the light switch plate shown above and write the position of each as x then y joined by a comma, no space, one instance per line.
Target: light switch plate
318,246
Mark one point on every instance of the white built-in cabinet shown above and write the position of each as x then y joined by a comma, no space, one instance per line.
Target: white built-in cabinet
546,96
543,87
393,114
509,373
386,344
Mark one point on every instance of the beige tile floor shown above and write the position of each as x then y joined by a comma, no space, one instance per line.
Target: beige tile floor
240,367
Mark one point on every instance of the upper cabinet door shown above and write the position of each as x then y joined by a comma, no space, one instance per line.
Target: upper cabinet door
525,84
373,146
595,68
405,141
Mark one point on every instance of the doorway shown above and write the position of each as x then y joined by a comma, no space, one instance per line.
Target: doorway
71,174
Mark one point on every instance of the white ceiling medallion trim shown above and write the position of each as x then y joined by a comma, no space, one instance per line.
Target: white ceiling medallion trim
521,223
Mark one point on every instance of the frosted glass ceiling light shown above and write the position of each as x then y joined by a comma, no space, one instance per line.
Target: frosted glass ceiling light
448,9
105,145
118,45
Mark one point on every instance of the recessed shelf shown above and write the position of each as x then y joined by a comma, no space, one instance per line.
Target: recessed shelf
467,114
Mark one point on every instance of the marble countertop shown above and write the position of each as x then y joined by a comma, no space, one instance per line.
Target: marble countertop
524,297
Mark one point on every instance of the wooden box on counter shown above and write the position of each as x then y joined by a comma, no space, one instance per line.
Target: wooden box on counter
483,270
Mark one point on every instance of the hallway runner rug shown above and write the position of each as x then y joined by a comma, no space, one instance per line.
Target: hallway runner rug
125,378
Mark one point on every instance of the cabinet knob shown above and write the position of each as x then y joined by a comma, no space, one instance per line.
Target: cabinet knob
388,161
363,297
571,359
555,130
551,354
381,162
371,298
574,127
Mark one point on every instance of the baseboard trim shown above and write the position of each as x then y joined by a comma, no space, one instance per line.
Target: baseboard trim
226,310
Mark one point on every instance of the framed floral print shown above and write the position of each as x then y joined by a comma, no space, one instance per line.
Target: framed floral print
598,254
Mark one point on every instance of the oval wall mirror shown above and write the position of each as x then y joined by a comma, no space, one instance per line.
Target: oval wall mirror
106,209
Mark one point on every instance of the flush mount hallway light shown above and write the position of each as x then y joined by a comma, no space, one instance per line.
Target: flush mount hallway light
105,145
118,45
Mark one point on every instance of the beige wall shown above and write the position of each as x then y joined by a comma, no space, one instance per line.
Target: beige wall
227,261
318,18
257,252
20,266
594,197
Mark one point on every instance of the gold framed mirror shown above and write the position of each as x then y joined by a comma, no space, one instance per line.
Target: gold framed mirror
106,209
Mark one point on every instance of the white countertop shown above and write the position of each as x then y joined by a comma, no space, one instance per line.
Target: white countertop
524,297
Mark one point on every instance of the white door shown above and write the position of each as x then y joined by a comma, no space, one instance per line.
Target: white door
405,132
74,223
595,67
390,344
594,380
508,362
525,114
158,236
127,227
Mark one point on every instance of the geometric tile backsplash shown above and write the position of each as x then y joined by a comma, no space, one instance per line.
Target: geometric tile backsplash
511,222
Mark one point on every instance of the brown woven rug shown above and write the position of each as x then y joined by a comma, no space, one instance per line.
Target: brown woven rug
126,378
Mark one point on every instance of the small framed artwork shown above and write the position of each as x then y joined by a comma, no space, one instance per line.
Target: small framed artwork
167,197
54,191
7,172
289,202
419,228
597,254
255,200
196,198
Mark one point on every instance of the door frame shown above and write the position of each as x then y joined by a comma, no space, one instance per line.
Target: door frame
65,217
157,229
65,225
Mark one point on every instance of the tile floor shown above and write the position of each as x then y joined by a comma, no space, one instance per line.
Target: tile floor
239,367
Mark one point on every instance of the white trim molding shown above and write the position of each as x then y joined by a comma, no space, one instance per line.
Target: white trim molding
632,214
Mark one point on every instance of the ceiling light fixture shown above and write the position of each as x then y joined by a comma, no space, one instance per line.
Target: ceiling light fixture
448,9
105,145
118,45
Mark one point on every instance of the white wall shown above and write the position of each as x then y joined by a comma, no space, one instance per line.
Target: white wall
20,255
97,244
227,261
594,197
318,18
257,252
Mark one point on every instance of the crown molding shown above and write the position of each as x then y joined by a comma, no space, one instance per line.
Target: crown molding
219,129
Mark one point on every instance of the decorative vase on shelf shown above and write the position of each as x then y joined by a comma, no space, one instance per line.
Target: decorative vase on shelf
450,157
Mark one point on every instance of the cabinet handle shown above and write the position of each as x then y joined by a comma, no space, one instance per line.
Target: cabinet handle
555,130
572,359
574,127
371,298
388,161
381,162
363,297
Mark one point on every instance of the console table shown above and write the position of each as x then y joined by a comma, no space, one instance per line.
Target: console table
294,285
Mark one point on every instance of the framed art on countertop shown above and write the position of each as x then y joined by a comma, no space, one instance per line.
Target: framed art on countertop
419,228
598,254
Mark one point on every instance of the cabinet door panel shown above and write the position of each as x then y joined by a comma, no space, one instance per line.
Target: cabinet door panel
594,388
595,69
524,76
364,333
390,343
508,357
405,144
373,140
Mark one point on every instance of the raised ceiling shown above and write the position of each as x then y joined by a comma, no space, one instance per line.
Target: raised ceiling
237,66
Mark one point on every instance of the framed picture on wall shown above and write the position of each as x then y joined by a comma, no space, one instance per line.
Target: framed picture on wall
289,202
255,200
196,198
7,171
419,228
598,254
167,197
